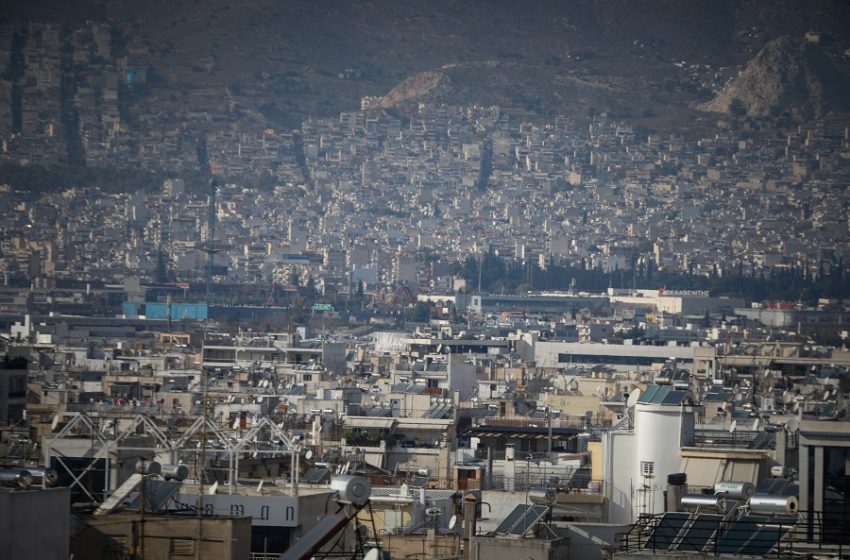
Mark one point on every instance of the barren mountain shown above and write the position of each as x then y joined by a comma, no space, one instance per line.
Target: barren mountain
268,62
788,76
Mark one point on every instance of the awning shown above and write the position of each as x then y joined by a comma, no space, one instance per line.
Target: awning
741,471
374,459
369,422
705,472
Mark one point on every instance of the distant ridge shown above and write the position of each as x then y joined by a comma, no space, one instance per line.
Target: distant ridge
788,75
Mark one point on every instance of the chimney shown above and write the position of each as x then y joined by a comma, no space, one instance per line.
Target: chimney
677,486
470,511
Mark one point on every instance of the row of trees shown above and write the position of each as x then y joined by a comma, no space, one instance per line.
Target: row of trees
493,274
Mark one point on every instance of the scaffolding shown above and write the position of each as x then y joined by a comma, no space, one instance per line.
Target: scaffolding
265,438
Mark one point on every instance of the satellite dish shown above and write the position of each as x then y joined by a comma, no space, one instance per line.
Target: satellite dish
373,554
633,398
733,427
213,488
309,454
452,522
54,423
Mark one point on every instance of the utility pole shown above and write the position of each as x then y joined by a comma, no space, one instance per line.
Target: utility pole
210,245
480,260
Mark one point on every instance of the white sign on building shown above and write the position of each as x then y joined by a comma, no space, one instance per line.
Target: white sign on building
274,511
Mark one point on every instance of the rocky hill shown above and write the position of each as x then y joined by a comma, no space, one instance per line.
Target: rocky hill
791,76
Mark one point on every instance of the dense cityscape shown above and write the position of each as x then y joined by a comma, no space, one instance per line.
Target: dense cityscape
418,327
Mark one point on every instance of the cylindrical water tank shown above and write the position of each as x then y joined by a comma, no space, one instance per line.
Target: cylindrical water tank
175,472
658,433
702,501
734,490
766,504
43,475
541,496
148,467
351,489
15,477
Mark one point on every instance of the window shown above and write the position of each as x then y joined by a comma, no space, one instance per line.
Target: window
836,495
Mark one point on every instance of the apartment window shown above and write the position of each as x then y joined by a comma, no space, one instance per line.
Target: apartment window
836,494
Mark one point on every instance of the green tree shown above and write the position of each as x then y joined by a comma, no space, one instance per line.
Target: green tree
419,313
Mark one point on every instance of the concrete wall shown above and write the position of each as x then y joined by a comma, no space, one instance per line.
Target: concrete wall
506,548
420,546
461,376
333,356
589,540
36,524
164,537
617,472
311,508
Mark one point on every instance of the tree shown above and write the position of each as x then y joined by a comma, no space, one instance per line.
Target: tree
310,287
737,108
294,279
161,272
419,313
